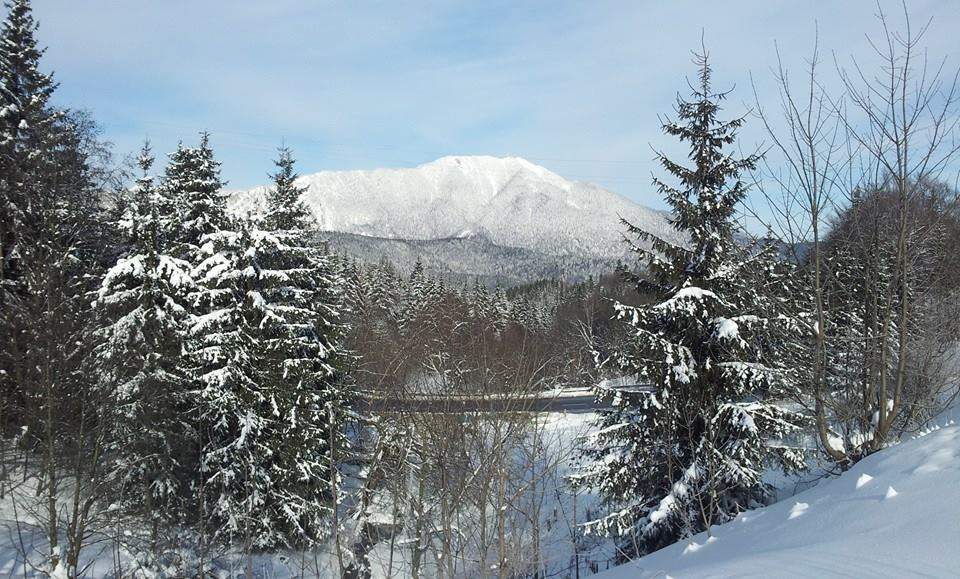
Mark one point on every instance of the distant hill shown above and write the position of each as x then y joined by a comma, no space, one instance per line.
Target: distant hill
463,259
484,216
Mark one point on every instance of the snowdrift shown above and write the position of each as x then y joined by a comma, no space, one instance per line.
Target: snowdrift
895,514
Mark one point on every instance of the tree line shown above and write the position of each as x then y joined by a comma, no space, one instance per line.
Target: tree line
162,359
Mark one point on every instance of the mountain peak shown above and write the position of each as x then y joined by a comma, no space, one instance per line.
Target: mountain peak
513,202
480,161
497,171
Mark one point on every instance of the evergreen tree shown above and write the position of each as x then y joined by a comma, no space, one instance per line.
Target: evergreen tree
192,179
223,349
690,451
356,289
417,299
301,293
385,293
50,257
286,210
143,316
481,305
271,401
500,308
25,122
523,313
49,209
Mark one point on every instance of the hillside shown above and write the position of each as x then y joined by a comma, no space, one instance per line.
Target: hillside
462,259
894,514
507,202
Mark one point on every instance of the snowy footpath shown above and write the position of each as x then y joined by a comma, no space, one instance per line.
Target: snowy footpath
895,514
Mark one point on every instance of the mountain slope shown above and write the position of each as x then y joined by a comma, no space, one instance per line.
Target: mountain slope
894,514
466,258
509,201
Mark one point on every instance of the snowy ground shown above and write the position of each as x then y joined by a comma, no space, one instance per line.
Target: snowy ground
563,551
894,514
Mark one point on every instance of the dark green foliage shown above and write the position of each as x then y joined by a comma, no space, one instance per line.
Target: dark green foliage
690,449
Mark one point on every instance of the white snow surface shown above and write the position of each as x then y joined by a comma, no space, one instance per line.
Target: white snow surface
510,201
894,514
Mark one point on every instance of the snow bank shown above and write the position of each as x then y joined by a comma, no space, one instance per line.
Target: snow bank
895,514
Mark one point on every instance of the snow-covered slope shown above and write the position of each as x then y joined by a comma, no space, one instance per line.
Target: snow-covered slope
895,514
509,201
464,259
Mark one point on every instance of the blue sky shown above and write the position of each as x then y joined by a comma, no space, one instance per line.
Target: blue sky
574,86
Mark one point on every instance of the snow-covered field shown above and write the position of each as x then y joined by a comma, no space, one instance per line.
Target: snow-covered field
894,514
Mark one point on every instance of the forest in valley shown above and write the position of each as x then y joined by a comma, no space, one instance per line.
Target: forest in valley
188,392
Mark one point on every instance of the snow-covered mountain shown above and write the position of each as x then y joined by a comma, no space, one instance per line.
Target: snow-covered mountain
509,202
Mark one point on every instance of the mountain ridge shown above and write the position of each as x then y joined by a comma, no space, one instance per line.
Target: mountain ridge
510,201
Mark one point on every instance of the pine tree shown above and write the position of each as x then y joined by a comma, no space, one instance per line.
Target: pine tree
193,180
286,210
49,259
385,294
481,306
301,292
223,348
143,316
357,292
417,299
690,451
524,314
25,120
49,206
500,308
268,346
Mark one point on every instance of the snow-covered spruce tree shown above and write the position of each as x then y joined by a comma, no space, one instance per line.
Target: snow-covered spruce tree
303,293
271,400
420,295
690,451
195,191
384,300
501,308
49,262
356,293
481,306
142,314
525,314
25,120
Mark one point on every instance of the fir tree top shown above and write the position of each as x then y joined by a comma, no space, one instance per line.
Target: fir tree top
143,204
192,179
285,209
26,90
704,199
